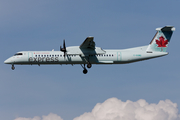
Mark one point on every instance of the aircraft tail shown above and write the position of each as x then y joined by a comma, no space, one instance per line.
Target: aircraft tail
161,39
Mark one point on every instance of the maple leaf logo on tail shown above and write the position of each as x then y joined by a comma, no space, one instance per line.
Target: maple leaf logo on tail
161,42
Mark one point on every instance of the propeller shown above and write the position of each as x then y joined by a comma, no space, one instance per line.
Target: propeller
64,48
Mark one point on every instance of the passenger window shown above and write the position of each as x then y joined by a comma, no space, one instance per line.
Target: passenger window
49,55
39,55
44,55
36,55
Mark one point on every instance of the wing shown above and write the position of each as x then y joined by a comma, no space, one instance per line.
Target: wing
88,43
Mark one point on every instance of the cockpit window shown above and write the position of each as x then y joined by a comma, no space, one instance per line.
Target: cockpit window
18,54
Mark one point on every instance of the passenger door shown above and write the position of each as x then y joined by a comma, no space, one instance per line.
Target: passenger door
118,56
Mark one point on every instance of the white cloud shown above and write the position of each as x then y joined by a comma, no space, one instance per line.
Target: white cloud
115,109
51,116
35,118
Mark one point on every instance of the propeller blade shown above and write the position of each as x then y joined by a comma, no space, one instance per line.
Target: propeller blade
64,48
64,45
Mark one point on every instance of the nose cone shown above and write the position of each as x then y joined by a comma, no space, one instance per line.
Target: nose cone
8,61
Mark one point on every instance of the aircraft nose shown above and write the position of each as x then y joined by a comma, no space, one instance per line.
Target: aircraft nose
8,61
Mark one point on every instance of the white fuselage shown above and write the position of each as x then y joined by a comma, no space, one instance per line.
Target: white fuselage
119,56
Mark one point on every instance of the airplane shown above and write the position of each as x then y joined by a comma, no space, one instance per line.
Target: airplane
87,53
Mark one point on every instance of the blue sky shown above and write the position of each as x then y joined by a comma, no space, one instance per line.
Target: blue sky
30,91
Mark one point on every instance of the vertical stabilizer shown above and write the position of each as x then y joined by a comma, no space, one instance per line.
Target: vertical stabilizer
161,39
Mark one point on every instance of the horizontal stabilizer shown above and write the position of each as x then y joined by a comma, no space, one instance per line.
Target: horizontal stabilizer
166,28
